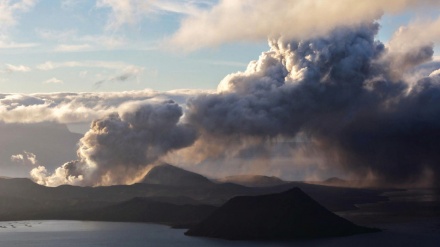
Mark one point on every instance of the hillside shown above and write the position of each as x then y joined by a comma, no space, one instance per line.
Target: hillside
253,180
166,174
287,215
22,199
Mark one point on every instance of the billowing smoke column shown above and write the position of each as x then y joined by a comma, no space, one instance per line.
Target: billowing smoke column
345,93
362,106
291,85
118,148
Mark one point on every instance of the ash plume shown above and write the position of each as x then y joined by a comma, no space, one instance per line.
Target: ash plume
118,148
342,101
340,91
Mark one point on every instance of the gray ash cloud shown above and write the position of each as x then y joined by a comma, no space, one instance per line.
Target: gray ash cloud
118,148
342,92
366,108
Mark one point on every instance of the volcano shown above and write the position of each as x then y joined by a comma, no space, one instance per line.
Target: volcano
288,215
166,174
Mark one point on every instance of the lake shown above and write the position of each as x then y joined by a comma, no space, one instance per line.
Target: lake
86,233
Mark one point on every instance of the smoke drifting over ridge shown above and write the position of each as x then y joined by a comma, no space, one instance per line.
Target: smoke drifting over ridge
118,148
357,102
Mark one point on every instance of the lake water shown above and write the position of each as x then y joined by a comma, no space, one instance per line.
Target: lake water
85,234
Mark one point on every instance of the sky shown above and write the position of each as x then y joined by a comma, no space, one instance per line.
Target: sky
302,89
82,46
104,45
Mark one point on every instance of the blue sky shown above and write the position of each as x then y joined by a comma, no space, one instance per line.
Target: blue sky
91,46
73,37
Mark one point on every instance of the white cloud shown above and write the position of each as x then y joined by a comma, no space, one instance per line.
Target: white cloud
9,14
410,46
181,7
72,48
88,42
46,66
133,11
11,101
78,107
61,36
53,80
83,73
25,158
106,41
249,20
68,4
416,34
123,12
17,68
49,65
10,9
7,44
41,176
435,73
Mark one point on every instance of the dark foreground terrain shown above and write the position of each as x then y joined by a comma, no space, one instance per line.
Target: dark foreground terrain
181,202
287,215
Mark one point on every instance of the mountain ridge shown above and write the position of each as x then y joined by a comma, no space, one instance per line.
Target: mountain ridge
166,174
287,215
253,180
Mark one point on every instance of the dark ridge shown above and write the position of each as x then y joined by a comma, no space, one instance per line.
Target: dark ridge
253,180
287,215
335,180
22,199
15,186
166,174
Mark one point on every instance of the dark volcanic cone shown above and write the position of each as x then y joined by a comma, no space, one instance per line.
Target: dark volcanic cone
288,215
166,174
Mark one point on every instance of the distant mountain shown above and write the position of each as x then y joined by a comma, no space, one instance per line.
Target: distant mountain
52,143
253,180
335,181
363,183
166,174
287,215
22,199
16,187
